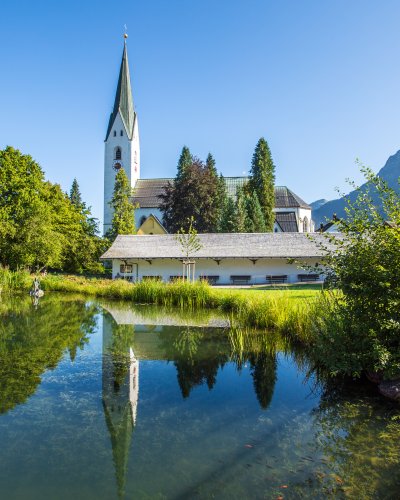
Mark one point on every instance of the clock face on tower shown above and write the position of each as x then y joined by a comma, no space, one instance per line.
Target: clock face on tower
117,165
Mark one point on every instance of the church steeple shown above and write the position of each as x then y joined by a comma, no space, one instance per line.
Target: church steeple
122,147
123,98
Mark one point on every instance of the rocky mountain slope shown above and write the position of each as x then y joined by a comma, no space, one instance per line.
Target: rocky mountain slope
390,173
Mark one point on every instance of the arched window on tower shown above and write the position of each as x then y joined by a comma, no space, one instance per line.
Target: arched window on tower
121,133
118,154
305,225
115,133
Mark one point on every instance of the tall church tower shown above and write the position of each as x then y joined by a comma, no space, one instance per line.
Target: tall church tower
122,148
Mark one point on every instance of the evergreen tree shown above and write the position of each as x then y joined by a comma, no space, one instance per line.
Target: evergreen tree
241,222
185,160
255,222
217,193
75,195
123,221
228,218
90,224
262,180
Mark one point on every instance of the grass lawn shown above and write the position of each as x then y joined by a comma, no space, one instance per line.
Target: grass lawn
287,291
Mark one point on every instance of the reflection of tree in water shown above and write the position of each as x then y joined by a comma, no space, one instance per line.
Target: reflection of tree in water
359,434
263,371
34,340
197,358
259,350
200,353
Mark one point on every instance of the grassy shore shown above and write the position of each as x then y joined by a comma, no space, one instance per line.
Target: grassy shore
287,310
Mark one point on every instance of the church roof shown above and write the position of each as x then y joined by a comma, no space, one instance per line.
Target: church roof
218,245
147,192
123,99
287,221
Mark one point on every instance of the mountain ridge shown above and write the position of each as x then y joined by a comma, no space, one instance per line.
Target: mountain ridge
390,173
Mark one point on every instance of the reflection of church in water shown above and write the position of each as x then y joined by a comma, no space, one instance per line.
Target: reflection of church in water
120,392
129,335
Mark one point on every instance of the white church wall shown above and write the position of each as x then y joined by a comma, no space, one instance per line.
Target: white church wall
208,267
130,151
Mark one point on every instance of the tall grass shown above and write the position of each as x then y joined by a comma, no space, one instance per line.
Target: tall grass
277,310
14,280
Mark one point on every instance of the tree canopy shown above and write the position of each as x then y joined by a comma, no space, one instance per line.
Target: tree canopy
196,192
39,225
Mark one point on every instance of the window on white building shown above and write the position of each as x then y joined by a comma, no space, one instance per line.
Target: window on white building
118,154
125,269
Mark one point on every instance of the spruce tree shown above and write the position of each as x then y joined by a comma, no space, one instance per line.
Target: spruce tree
262,181
185,160
241,223
228,217
75,195
255,222
123,221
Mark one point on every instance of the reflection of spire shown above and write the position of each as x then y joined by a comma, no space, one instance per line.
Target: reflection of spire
120,393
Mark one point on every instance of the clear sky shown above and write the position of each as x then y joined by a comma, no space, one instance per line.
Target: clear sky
320,80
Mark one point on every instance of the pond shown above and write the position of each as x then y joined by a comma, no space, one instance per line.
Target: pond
104,400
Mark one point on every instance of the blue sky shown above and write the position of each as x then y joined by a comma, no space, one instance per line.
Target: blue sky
319,80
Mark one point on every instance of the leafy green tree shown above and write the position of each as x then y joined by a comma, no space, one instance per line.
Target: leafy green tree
39,224
28,238
194,193
262,180
123,221
361,329
255,222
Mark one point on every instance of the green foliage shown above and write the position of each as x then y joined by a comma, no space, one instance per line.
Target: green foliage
197,192
32,341
75,195
228,217
362,332
39,225
188,240
241,222
262,180
255,222
123,221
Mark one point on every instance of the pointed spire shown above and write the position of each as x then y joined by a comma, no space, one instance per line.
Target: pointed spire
123,98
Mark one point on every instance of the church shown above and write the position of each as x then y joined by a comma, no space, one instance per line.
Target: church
122,150
223,258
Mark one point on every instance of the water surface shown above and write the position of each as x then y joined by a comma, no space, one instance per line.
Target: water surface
109,400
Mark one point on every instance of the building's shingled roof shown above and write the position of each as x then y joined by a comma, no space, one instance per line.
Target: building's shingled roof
147,193
218,245
123,99
285,198
287,221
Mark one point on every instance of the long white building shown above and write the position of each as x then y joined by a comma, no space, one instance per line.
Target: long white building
251,258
